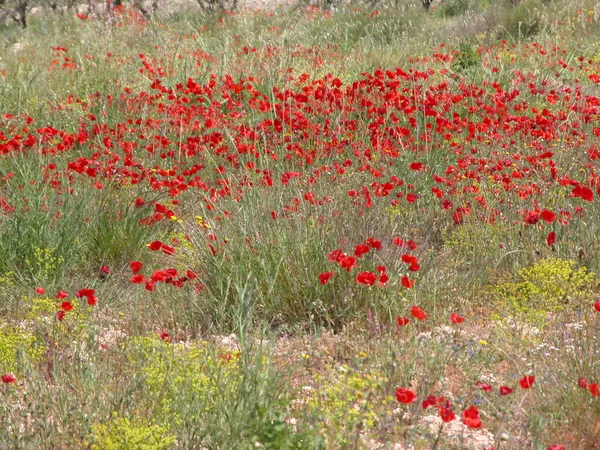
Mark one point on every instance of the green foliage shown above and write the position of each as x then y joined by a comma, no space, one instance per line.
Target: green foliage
452,8
124,434
545,287
468,57
210,398
345,404
523,20
18,347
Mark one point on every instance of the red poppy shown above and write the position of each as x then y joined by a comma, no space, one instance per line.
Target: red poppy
531,217
166,337
527,381
455,318
547,216
416,166
60,315
325,276
61,295
407,282
594,390
418,313
374,243
66,306
585,193
405,396
155,245
191,274
582,383
137,278
483,386
9,378
167,250
348,262
505,390
402,321
410,259
383,279
597,306
367,278
89,294
551,239
40,290
430,401
447,414
471,417
556,447
360,250
136,266
105,269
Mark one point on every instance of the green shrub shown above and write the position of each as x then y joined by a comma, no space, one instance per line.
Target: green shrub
124,434
546,287
17,347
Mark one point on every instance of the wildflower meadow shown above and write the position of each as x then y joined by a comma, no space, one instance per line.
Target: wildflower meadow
336,225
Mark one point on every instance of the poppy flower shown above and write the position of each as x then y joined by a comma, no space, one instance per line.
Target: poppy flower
402,321
594,390
447,415
367,278
551,239
407,282
61,295
471,417
167,250
374,243
582,383
531,217
155,245
505,390
60,315
527,381
383,279
191,274
455,318
429,401
325,276
105,269
405,396
8,378
597,306
166,337
418,313
409,259
137,278
556,447
360,250
583,192
483,386
89,294
547,216
416,166
66,306
348,262
136,266
40,290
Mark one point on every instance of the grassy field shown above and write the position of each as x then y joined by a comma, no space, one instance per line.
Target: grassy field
376,227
